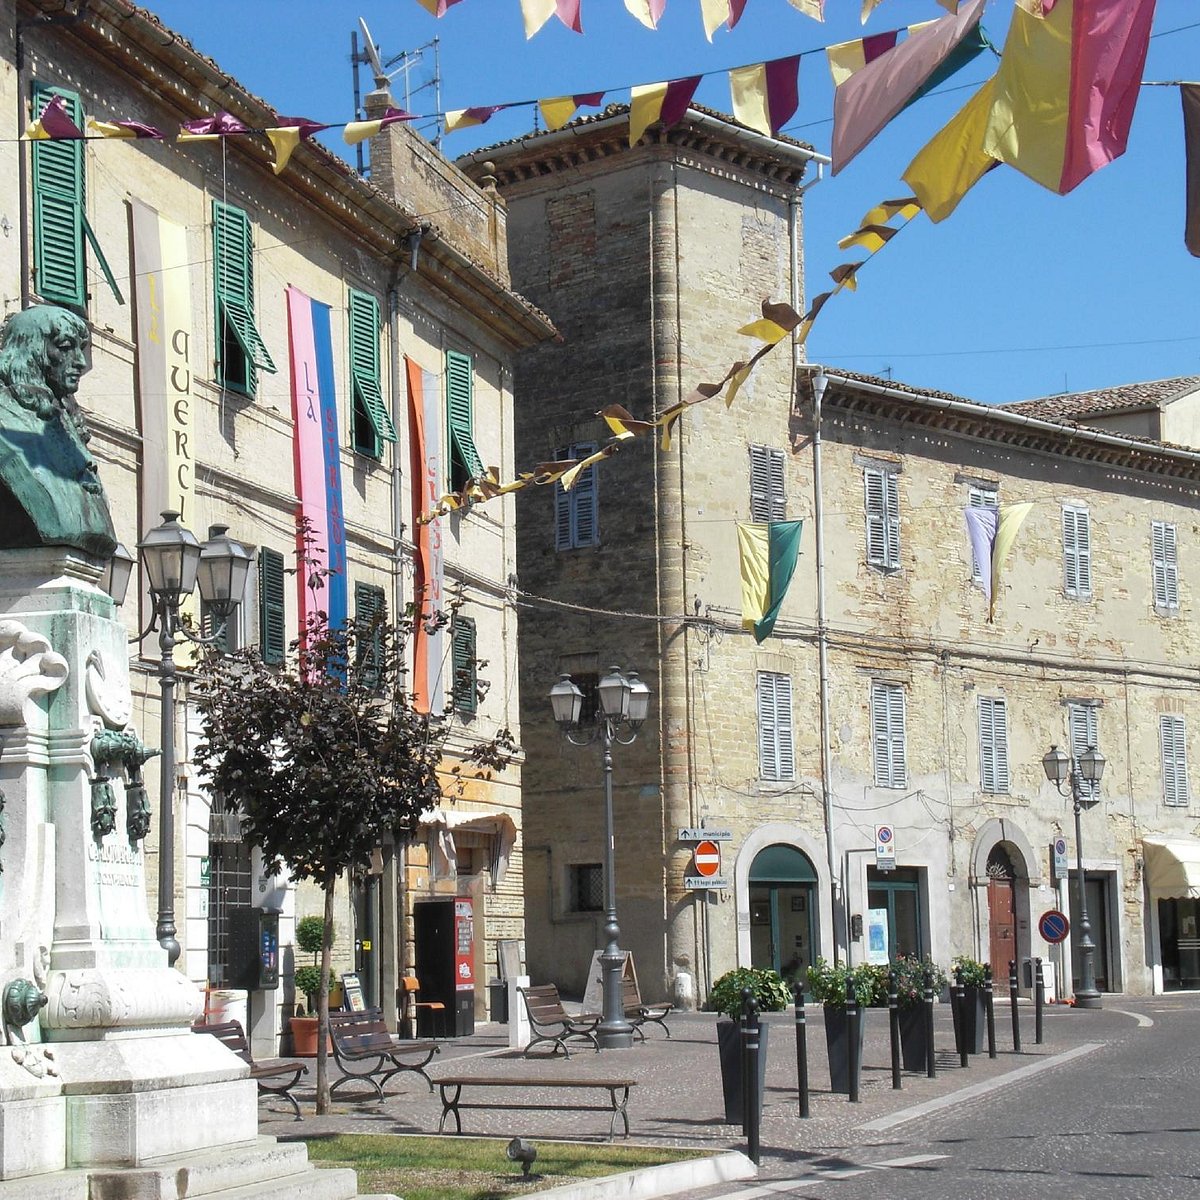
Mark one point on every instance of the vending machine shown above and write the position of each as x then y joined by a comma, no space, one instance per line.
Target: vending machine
445,962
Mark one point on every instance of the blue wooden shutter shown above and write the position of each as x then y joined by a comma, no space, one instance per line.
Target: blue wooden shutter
272,629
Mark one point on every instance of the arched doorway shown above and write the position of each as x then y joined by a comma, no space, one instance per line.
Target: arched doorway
1002,913
783,916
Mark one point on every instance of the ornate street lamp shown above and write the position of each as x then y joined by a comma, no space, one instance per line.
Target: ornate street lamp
174,562
1088,767
117,573
624,704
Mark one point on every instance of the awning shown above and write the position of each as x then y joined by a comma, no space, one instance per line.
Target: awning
443,822
1172,868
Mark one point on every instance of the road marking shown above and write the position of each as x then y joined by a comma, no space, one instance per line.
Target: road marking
824,1174
1143,1021
978,1089
911,1161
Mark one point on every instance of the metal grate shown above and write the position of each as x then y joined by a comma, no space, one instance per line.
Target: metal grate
230,887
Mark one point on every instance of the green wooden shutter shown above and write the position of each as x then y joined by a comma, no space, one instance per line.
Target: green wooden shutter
365,374
272,630
58,199
460,418
369,603
233,286
463,659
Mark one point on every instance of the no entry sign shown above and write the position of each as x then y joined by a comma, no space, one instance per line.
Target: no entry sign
707,857
1054,926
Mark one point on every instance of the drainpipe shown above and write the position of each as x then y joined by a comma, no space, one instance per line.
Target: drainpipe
820,382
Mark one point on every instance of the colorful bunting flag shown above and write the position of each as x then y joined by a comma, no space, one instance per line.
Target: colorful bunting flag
847,57
537,12
437,7
649,12
287,134
359,131
665,102
810,8
207,129
871,97
571,477
767,94
953,161
623,423
767,555
1190,93
54,123
464,118
124,129
716,13
992,532
1067,87
870,237
558,110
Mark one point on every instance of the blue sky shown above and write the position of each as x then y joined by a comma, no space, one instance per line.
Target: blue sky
1020,293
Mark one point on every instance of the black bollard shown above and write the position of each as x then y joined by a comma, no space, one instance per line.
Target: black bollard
1012,1000
752,1095
960,1019
801,1048
744,1058
1039,998
894,1028
930,1059
989,1003
853,1024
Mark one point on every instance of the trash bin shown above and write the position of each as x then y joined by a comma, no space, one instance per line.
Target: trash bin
498,1000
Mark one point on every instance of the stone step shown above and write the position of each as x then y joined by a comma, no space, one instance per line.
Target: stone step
315,1183
62,1185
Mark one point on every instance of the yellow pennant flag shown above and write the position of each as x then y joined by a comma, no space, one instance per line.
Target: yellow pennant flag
1011,517
571,477
748,90
557,110
645,107
754,543
623,423
536,13
285,140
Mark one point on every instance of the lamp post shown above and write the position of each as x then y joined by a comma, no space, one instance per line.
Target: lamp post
624,703
1088,767
174,562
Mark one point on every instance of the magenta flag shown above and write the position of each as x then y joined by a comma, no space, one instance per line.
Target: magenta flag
222,125
783,89
57,123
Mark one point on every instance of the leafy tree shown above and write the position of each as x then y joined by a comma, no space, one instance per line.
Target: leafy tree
325,757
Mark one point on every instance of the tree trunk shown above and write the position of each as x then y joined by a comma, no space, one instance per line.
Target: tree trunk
323,1003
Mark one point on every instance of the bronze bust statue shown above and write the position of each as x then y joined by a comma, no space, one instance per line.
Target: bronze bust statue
50,491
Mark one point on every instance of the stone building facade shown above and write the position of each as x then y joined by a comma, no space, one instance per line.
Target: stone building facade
885,697
113,229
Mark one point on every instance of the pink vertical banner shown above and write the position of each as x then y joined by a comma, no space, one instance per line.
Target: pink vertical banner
308,445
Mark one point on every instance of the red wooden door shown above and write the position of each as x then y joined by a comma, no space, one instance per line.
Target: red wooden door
1002,922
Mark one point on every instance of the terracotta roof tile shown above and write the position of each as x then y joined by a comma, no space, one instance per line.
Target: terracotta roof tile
1079,406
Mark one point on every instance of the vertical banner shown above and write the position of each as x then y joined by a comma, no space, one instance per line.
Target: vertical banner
164,336
315,456
425,443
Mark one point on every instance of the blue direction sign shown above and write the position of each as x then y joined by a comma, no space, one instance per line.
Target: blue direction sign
1054,926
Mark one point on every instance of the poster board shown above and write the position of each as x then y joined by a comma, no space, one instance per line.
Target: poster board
593,994
352,994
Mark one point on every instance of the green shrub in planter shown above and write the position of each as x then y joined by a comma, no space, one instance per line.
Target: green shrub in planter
310,933
768,987
974,972
910,979
827,983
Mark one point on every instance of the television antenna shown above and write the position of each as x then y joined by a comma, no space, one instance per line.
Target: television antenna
383,71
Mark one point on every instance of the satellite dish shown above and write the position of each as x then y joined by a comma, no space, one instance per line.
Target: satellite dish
381,80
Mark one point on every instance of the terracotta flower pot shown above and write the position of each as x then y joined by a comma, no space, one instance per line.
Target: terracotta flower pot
304,1037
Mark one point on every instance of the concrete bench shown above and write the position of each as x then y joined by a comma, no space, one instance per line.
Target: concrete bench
618,1096
365,1049
550,1022
274,1076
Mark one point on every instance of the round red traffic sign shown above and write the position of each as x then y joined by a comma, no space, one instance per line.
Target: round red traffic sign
1054,926
707,857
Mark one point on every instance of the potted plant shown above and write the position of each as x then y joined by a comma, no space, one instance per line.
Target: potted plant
910,994
827,984
973,1014
310,933
772,995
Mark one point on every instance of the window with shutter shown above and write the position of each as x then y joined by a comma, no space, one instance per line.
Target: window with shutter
1083,720
993,745
220,630
369,607
887,735
465,462
577,513
272,631
1172,737
1077,551
882,492
372,424
768,499
1165,564
240,347
463,656
980,497
776,753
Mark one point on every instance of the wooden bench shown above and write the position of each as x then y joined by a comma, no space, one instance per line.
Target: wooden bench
365,1049
274,1076
638,1014
550,1022
618,1096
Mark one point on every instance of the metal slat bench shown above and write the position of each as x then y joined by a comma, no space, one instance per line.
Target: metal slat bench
618,1096
274,1076
550,1022
366,1050
638,1014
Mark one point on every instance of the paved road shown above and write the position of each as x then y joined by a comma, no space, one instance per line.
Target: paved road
1114,1117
